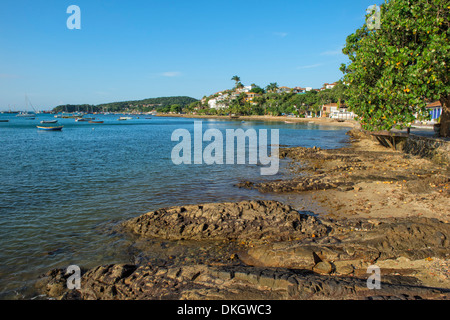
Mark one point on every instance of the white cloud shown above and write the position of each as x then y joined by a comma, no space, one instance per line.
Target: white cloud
171,74
332,52
310,66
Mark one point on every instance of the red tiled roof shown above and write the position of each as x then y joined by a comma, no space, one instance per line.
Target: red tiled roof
434,104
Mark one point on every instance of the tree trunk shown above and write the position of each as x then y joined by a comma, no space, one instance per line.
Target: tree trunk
445,117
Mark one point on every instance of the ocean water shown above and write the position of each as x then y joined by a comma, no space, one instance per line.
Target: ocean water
62,192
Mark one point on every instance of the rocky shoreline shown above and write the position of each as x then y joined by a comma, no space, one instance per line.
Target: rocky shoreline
272,250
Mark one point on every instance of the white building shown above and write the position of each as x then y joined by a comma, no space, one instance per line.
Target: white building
329,85
218,102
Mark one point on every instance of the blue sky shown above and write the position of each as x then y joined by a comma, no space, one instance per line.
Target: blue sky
129,50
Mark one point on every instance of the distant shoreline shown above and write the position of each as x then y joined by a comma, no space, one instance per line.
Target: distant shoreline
320,121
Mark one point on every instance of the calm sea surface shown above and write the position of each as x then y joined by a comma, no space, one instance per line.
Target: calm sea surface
61,193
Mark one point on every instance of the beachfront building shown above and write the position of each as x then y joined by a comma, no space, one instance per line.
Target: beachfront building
333,111
435,110
343,113
328,109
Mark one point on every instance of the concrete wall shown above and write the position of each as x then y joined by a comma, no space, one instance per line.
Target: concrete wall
435,149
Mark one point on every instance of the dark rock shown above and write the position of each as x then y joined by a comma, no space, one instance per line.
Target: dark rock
247,220
200,282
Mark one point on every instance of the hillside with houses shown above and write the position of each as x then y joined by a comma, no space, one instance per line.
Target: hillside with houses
329,101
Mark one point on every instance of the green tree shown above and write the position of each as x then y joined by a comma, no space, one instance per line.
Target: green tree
339,93
257,89
175,108
394,71
272,87
236,79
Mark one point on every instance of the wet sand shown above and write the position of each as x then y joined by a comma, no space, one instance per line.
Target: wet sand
379,183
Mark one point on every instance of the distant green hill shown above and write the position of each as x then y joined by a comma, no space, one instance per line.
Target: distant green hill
144,105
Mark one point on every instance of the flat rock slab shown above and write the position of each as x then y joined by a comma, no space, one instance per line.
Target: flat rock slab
200,282
356,243
247,220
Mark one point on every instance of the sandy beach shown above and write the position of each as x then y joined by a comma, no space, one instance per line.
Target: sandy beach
320,121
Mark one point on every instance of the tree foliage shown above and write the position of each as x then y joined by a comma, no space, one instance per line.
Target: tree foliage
394,71
145,105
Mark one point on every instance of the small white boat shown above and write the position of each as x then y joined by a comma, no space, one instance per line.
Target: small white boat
26,115
50,128
125,118
49,121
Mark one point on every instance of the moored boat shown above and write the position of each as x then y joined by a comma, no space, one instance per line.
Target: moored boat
26,115
95,121
59,128
49,121
125,118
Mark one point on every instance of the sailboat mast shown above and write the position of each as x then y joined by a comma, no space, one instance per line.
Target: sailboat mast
26,104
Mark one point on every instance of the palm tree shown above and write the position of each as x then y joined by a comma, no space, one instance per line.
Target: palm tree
272,87
236,79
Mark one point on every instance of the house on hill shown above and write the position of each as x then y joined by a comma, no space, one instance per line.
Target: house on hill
219,101
250,95
298,90
284,90
328,86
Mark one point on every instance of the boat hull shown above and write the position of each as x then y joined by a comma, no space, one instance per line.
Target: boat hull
50,128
